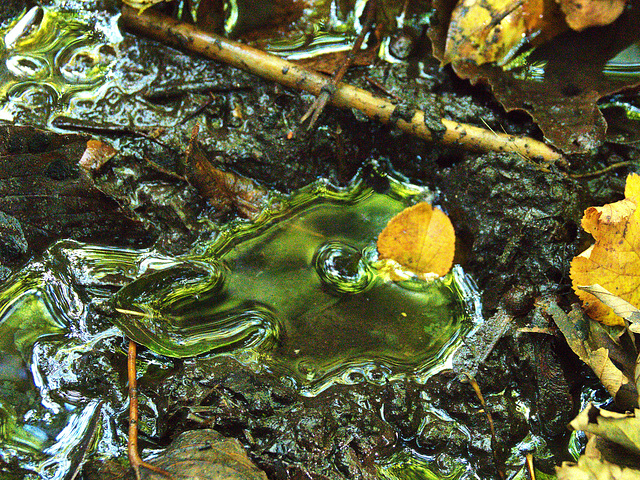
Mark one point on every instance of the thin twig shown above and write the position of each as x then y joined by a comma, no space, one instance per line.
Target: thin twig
494,439
327,90
530,468
132,444
595,173
270,67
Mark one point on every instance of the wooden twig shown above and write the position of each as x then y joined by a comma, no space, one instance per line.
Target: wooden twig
494,438
327,90
132,444
161,27
595,173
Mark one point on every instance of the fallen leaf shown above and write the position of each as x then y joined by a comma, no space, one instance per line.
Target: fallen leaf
609,375
595,469
560,82
621,428
636,373
226,190
420,238
619,306
596,349
613,261
490,30
96,155
43,189
581,14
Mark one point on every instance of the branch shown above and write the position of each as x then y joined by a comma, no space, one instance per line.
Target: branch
270,67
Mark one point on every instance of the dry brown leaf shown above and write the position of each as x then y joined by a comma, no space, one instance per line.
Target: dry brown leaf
205,454
619,306
420,238
614,260
599,360
610,376
226,190
96,155
581,14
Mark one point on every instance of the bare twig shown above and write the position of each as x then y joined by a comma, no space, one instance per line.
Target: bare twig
595,173
132,445
327,90
270,67
476,388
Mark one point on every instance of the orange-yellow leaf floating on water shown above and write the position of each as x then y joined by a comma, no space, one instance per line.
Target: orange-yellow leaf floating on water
613,261
420,238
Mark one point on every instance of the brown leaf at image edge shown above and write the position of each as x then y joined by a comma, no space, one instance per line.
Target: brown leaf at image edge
563,101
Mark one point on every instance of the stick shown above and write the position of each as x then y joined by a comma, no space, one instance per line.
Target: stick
132,443
270,67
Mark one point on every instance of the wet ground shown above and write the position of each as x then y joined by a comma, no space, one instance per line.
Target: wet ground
517,225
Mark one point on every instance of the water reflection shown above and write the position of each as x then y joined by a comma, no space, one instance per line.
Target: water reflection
296,294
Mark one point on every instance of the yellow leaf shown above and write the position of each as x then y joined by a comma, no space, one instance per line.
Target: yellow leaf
613,261
621,428
420,238
483,31
594,468
581,14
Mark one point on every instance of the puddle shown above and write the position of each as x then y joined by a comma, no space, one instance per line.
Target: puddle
295,294
298,293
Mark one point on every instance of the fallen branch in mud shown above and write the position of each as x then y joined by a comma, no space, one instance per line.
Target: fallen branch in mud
270,67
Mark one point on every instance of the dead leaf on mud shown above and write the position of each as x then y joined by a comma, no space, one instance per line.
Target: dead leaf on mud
225,190
560,82
609,375
619,306
96,155
420,238
205,454
621,428
613,261
581,14
490,30
598,350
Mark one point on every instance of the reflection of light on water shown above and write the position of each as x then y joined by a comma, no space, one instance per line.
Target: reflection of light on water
67,453
624,65
295,295
48,56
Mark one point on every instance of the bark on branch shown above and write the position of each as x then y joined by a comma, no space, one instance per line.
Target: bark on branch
270,67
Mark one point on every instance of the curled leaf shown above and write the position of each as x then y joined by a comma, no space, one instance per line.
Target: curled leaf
619,306
593,468
621,428
420,238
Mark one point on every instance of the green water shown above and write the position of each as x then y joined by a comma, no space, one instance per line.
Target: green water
298,292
